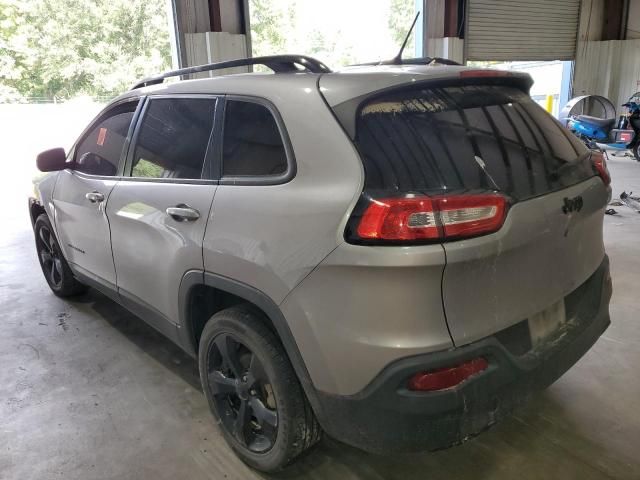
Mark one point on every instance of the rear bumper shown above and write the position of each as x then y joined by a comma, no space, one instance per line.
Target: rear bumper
385,417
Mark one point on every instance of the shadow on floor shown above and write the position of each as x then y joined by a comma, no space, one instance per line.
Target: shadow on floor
145,337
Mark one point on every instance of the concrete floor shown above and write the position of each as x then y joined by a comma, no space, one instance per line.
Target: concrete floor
88,391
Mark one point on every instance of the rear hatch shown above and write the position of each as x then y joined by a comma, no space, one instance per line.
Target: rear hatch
477,139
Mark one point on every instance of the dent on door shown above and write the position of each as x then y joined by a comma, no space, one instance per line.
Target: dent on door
157,231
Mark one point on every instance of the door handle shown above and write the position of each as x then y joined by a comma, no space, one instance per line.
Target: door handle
94,197
183,213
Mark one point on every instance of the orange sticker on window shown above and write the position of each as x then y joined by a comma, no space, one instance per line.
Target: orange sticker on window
102,134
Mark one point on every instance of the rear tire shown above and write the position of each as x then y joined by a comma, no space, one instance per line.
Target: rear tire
636,151
253,392
54,266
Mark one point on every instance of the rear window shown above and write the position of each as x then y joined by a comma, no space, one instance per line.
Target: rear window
465,138
252,144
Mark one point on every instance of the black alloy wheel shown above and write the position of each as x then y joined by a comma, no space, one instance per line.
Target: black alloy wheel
243,393
50,257
253,391
55,268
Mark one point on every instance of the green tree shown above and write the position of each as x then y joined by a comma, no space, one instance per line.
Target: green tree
401,14
267,27
12,49
63,48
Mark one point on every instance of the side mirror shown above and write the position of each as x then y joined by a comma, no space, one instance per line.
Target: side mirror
52,160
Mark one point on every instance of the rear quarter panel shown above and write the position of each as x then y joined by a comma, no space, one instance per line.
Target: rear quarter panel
272,236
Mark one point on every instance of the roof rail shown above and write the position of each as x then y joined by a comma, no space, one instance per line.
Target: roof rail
277,63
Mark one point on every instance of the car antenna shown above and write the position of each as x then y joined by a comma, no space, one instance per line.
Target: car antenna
397,60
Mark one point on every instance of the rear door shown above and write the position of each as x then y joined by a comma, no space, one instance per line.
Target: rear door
81,194
470,137
158,212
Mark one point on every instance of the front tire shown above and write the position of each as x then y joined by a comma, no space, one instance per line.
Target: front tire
253,392
54,266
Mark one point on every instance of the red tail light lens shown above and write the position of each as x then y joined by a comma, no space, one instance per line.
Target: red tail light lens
443,378
432,218
600,164
399,219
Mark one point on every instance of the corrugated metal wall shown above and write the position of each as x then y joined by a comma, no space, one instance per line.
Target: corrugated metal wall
522,30
610,69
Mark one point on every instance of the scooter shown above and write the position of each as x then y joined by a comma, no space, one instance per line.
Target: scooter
594,131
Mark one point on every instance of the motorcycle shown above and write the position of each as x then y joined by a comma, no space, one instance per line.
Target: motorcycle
634,122
594,131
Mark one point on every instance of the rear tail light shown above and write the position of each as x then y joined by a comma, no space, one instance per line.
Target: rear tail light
625,137
443,378
422,218
600,164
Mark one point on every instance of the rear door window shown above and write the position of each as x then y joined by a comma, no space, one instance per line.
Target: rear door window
174,138
465,138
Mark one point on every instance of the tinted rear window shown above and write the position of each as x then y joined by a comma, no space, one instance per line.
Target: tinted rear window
252,143
463,138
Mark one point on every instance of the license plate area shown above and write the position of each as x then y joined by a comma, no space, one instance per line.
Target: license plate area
546,323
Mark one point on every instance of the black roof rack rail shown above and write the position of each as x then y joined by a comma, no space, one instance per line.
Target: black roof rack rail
277,63
410,61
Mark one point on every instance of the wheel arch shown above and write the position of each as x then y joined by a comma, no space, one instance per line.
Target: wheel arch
35,210
196,282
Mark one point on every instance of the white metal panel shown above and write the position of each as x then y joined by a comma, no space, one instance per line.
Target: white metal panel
522,30
610,69
448,47
212,47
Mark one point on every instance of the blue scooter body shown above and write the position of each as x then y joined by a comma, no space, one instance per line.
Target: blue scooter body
593,134
589,130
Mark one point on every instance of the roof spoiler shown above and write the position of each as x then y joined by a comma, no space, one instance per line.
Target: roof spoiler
410,61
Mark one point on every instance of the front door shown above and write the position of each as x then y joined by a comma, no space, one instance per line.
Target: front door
81,194
159,211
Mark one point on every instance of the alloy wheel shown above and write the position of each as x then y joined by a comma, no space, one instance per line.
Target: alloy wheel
242,393
50,256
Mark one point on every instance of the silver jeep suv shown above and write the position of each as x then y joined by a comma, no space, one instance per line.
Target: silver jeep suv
396,255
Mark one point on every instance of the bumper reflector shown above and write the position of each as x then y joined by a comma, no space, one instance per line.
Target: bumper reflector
447,377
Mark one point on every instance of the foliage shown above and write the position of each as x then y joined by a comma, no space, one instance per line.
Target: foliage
315,28
401,14
64,48
145,168
266,27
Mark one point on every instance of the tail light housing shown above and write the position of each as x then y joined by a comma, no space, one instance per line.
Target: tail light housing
448,377
600,166
423,219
